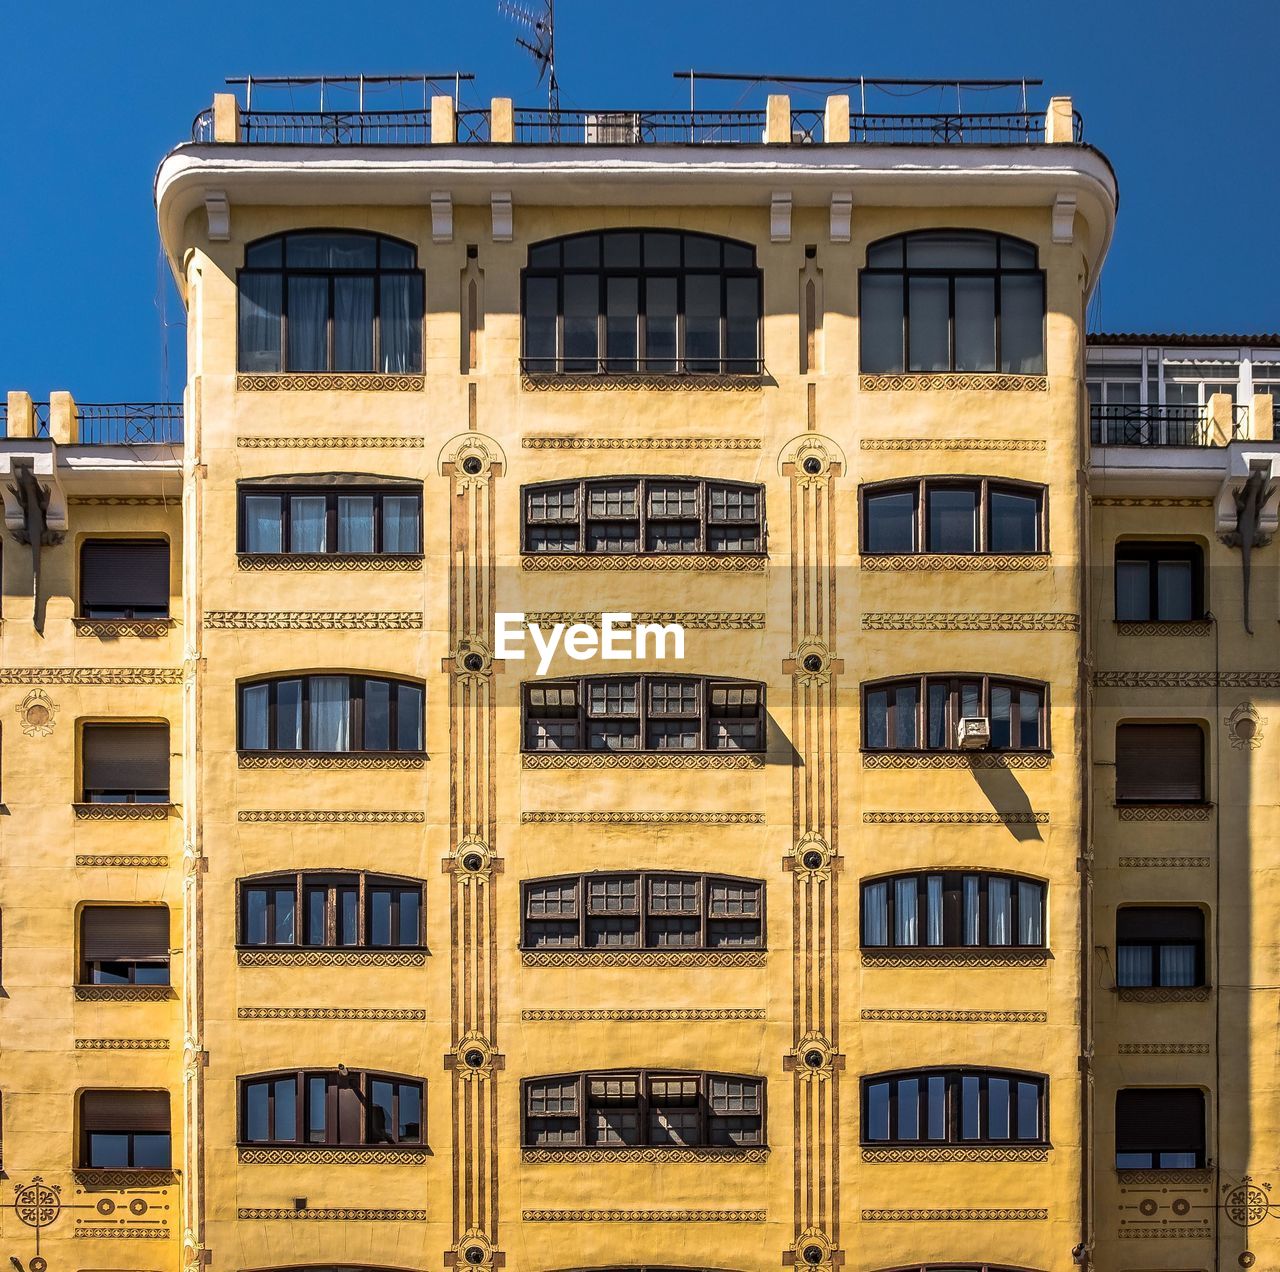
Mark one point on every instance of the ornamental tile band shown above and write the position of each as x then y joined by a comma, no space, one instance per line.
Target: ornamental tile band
990,621
139,860
326,815
643,958
925,957
644,1216
955,760
1170,1232
331,958
955,1017
1187,679
123,993
1194,628
1163,813
644,1013
330,1013
947,818
313,620
1163,994
1134,502
959,1215
1165,863
347,1213
121,812
946,382
567,441
291,760
957,1154
952,443
91,675
117,628
703,622
331,443
643,819
122,1044
648,760
326,561
333,1156
132,1232
596,1155
552,382
1163,1049
567,561
303,382
925,562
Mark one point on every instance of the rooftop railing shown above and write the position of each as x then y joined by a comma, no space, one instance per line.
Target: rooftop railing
638,127
1016,128
129,423
1122,424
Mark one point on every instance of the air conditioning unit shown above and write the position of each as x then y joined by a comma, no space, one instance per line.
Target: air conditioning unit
612,128
973,733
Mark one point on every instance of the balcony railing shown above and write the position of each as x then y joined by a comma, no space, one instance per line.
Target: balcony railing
336,127
1134,425
637,127
130,423
1019,128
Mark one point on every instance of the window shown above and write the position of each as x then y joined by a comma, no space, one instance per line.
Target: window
939,514
644,514
351,1107
125,1130
952,300
124,945
953,909
1159,581
644,713
1159,946
1160,1129
643,911
954,1106
1159,764
126,763
924,713
336,517
642,300
311,908
330,300
630,1108
331,714
124,578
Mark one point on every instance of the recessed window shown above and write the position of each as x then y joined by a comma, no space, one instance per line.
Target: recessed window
945,515
1159,581
1160,1129
954,1106
658,301
632,1108
924,713
952,300
1159,945
953,909
345,519
644,514
323,1106
124,578
1160,764
334,910
322,300
124,945
656,910
644,713
125,763
331,714
123,1130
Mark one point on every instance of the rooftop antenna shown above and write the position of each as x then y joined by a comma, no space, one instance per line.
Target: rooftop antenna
542,46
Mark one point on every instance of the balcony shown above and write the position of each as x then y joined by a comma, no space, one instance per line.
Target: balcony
72,423
1216,424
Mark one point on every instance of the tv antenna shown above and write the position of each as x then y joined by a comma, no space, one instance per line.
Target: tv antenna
542,45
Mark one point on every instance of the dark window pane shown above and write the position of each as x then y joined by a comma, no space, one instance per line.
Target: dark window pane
581,315
400,531
997,1108
970,1106
410,932
660,324
1015,522
954,250
877,718
285,1125
352,324
253,717
953,519
377,715
1022,324
1133,591
308,323
701,252
316,916
540,298
622,301
348,916
288,731
409,718
284,915
661,250
355,523
581,252
400,323
906,702
928,324
317,1109
620,249
877,1116
880,323
1174,595
702,322
259,334
742,321
108,1149
380,917
256,1102
328,250
255,926
891,522
975,324
264,253
1028,1111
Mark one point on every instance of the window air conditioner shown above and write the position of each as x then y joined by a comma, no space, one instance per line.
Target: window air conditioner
973,733
612,128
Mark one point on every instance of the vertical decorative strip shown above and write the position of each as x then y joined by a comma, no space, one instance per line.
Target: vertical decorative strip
813,463
471,463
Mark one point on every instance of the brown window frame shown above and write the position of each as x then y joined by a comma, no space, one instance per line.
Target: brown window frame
644,519
953,912
984,486
301,882
331,493
1155,1151
952,1111
1151,552
954,680
360,1080
124,611
1149,796
91,969
644,911
644,715
356,690
86,1131
645,1104
123,794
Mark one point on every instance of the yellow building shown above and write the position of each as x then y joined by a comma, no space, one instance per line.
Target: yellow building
838,923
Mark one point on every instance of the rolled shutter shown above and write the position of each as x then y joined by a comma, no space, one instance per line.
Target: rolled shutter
1170,1121
124,573
125,932
1160,763
1156,923
146,1111
126,757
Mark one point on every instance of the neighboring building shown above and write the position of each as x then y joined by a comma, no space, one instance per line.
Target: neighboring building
857,938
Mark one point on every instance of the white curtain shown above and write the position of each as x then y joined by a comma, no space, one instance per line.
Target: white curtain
875,914
262,527
355,523
906,928
999,911
260,322
1133,965
308,323
399,523
400,324
972,912
307,523
253,723
352,323
1030,913
1177,965
933,898
330,714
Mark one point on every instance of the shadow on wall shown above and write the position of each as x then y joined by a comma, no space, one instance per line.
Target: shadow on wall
1009,800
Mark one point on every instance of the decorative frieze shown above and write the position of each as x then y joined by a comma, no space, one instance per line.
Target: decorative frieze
643,1013
652,818
948,818
133,1232
331,958
332,1156
346,1214
1169,1232
331,443
597,1155
121,812
1165,863
952,443
562,562
1135,502
1196,627
323,382
1164,812
933,562
922,956
933,1016
955,760
1187,679
327,561
122,1044
643,958
313,620
359,816
989,621
116,628
644,1216
950,381
643,382
123,993
106,1177
722,621
142,861
568,441
962,1215
91,675
1163,993
330,1013
302,760
958,1153
1163,1049
645,760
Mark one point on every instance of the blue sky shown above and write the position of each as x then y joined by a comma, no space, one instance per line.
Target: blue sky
1181,94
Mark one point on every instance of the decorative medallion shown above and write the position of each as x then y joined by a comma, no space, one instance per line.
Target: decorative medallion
811,857
38,713
1244,727
813,1059
473,1058
1247,1204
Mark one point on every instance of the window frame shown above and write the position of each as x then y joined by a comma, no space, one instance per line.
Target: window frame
355,712
90,968
127,794
1200,944
331,493
996,272
1202,1152
643,1077
643,715
681,273
140,613
85,1132
920,488
644,913
952,1109
582,487
984,912
1125,800
1151,552
364,1078
284,272
300,881
954,679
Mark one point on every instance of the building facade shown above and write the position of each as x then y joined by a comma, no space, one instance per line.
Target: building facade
903,916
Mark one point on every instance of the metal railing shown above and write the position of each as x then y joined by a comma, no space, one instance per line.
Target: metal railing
638,127
40,414
807,125
1008,128
130,423
202,126
335,127
1134,425
473,125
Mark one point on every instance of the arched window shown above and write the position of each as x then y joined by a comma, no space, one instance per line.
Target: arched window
330,300
347,1107
953,909
955,712
334,909
955,1106
331,714
963,515
629,1108
952,300
661,301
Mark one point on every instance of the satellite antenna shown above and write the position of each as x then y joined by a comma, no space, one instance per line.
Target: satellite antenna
542,46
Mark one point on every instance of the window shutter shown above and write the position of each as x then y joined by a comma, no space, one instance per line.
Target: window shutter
1152,923
1170,1121
125,932
122,573
126,757
125,1111
1160,763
